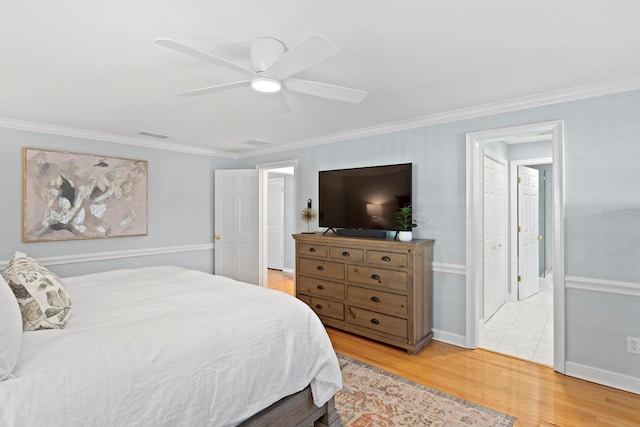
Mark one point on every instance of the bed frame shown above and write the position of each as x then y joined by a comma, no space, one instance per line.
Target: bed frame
297,410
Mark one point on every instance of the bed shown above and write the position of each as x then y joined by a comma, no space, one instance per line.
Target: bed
167,346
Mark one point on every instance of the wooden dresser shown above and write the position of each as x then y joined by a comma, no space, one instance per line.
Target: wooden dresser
377,288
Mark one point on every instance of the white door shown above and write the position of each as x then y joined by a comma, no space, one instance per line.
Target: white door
236,224
275,223
495,235
528,235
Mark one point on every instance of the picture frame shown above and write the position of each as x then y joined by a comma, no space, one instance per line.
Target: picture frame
74,196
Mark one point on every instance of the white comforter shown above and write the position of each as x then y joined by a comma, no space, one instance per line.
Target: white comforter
165,346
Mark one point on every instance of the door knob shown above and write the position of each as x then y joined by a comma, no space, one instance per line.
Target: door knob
539,237
217,237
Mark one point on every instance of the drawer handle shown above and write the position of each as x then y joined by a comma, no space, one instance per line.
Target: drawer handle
345,253
375,277
385,258
375,321
319,306
320,268
375,299
312,249
320,287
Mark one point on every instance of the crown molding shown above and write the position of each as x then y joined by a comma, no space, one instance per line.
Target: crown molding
623,84
575,93
109,137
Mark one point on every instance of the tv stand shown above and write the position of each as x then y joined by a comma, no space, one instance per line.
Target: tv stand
329,229
380,234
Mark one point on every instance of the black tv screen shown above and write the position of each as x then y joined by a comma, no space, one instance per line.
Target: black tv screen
364,198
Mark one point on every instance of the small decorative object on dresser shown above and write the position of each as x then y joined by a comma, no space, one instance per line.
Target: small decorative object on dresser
377,288
308,215
406,224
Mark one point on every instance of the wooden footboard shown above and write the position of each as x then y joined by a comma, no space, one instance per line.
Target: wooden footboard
297,410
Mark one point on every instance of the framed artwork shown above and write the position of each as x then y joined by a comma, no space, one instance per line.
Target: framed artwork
69,196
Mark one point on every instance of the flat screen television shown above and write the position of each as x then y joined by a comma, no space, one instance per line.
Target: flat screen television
363,198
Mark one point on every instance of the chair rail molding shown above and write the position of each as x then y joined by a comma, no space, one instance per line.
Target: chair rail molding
103,256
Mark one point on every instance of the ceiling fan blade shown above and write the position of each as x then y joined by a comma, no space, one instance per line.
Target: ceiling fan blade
201,54
216,88
311,51
326,90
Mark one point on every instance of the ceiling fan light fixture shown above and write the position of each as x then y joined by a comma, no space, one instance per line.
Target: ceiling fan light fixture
266,84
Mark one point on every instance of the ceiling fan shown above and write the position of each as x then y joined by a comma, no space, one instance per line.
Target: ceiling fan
272,66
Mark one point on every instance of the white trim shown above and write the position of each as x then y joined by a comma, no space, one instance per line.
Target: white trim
602,285
443,267
288,270
608,87
109,137
513,215
475,142
604,377
103,256
449,338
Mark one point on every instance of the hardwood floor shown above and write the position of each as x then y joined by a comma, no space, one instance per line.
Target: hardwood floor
533,393
280,281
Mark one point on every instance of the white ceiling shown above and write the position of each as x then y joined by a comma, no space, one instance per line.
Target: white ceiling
92,65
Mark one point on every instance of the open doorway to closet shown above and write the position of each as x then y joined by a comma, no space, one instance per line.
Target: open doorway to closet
278,224
515,258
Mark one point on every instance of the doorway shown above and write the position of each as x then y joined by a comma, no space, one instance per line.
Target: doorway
522,325
278,224
515,146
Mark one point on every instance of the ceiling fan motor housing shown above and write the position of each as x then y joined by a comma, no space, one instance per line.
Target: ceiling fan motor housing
264,52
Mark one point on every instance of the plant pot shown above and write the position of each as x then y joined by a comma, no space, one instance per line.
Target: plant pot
405,236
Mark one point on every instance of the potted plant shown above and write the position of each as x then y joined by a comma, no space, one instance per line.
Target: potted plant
404,219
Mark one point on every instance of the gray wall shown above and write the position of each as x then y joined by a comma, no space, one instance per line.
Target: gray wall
602,147
602,221
180,205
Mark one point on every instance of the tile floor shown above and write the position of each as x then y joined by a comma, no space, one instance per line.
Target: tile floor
523,329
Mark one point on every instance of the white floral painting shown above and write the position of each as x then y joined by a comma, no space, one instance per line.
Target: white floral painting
82,196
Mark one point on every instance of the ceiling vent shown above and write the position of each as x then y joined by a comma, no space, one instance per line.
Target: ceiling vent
153,135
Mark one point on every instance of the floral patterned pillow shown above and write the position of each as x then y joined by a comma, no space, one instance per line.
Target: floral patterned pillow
41,295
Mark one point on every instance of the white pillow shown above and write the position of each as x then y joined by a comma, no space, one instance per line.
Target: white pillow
10,331
41,295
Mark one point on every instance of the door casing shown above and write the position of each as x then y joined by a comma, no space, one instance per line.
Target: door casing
475,142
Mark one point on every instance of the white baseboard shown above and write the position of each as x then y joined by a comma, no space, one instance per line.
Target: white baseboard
601,376
102,256
449,338
288,270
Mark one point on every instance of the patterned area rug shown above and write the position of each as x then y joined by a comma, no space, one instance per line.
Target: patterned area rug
375,398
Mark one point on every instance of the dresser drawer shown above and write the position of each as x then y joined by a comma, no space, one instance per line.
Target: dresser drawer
312,250
390,259
323,307
378,277
349,254
318,268
319,287
378,300
377,321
